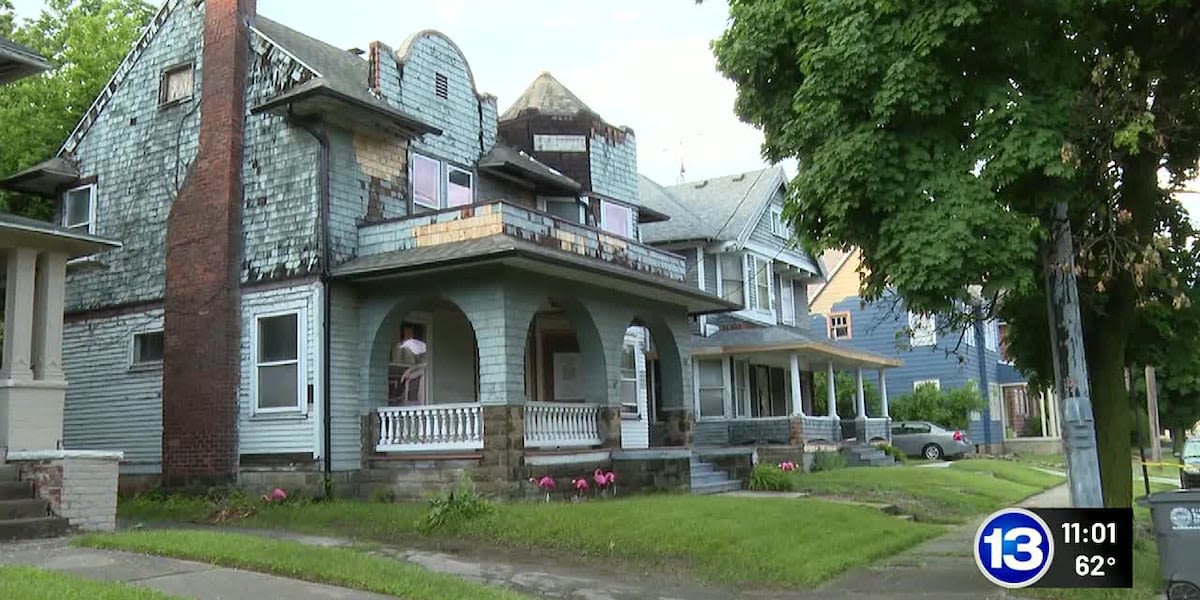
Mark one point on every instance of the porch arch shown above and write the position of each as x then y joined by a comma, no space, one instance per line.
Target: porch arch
588,344
440,365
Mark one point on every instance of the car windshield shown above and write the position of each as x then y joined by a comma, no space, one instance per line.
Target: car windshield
1191,449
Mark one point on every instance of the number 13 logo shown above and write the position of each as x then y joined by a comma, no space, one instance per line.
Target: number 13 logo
1014,548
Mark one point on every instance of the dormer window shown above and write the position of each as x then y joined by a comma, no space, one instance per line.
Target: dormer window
176,85
441,86
79,208
616,219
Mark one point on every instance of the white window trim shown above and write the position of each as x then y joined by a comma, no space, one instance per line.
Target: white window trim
849,325
630,227
413,159
724,389
91,222
301,366
937,383
777,225
746,279
633,340
148,364
787,301
913,320
446,183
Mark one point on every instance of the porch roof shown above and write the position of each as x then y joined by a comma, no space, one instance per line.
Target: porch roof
783,341
530,256
23,232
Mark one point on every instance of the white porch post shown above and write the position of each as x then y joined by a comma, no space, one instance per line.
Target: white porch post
1043,406
883,399
18,315
48,316
797,396
831,386
860,398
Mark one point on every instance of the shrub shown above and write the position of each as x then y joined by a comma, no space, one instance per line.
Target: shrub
825,460
234,506
894,452
770,478
948,408
462,503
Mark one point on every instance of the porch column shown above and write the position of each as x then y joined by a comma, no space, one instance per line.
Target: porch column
48,316
831,390
860,406
797,395
18,315
883,399
1042,410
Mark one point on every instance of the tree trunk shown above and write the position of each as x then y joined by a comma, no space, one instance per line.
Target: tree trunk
1110,405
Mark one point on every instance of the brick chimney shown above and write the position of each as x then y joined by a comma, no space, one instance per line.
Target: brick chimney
204,243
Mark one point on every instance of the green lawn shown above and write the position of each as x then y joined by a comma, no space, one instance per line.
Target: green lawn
28,583
950,495
336,566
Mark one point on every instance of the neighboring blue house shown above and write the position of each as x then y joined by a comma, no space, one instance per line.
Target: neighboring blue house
932,354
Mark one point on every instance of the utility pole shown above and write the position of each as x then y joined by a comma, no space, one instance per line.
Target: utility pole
1152,408
1070,367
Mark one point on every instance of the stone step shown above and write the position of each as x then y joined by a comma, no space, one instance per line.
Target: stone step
717,488
15,490
28,508
708,478
702,468
39,527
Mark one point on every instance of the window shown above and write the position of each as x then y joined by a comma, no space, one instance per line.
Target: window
629,378
567,209
936,383
459,191
616,219
839,326
408,366
277,363
426,181
778,226
758,283
1002,332
176,85
989,336
741,387
917,428
787,301
732,286
923,330
79,208
711,388
441,86
147,349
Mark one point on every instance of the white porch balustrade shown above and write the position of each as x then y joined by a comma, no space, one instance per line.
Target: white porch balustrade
437,427
560,425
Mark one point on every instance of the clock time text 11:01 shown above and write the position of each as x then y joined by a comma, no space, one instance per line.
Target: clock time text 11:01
1091,533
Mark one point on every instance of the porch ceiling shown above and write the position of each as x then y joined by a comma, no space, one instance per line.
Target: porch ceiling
528,256
773,344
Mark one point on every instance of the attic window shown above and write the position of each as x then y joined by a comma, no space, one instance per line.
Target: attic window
441,86
176,85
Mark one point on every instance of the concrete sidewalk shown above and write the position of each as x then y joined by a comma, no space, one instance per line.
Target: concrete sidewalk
178,577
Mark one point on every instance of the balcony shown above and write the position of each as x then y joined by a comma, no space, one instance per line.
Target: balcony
452,230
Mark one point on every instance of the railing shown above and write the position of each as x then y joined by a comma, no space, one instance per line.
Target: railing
879,428
430,428
558,425
826,429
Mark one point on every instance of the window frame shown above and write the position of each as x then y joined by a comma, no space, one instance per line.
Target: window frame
163,88
630,228
787,301
300,362
90,224
750,281
720,362
913,320
446,184
777,224
625,378
134,363
544,203
413,158
833,328
937,383
1002,343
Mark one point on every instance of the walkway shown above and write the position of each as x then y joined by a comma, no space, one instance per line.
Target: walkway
179,577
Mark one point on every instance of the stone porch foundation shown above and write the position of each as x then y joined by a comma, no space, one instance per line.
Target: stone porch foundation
80,485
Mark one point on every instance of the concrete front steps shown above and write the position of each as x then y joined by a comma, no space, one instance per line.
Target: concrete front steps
863,455
22,514
707,479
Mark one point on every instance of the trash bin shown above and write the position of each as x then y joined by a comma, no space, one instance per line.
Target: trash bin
1176,516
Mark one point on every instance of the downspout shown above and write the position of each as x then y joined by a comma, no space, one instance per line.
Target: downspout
326,301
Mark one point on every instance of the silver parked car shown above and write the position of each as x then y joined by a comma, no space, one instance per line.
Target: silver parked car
1189,473
927,440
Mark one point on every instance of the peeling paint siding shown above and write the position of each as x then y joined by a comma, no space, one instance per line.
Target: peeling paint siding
614,166
140,155
110,406
345,393
494,188
280,214
279,433
347,197
457,115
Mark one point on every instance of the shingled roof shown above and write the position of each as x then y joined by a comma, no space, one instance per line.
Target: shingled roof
720,208
548,96
18,61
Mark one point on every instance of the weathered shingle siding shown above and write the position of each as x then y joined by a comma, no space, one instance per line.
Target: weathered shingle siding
762,234
613,161
140,157
279,432
110,406
494,188
346,402
280,212
467,125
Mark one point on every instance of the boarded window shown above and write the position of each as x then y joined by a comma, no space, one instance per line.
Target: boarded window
426,181
176,85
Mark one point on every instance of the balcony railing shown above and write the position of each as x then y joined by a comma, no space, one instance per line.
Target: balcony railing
438,427
560,425
506,218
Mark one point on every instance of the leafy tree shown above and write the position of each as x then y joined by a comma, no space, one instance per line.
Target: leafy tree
937,137
85,40
948,408
846,389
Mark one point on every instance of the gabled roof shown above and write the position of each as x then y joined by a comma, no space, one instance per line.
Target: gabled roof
719,209
18,61
548,96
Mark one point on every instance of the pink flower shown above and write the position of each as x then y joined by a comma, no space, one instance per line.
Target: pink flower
787,465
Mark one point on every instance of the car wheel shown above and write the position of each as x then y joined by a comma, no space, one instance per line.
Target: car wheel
1183,591
932,452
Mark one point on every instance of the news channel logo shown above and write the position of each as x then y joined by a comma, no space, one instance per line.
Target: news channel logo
1014,548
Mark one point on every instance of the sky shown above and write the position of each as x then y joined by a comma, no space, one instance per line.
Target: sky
641,63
